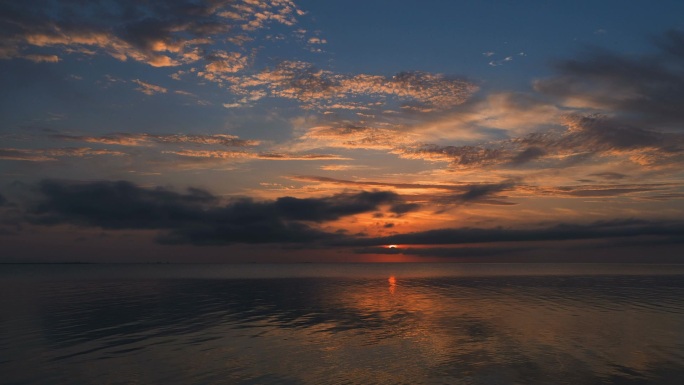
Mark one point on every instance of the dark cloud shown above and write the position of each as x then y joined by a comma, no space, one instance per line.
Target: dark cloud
645,88
117,205
403,208
478,192
331,208
598,133
527,155
559,232
197,216
3,200
609,175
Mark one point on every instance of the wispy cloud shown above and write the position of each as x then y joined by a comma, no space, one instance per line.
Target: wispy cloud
148,88
342,167
435,194
128,139
583,138
207,154
52,154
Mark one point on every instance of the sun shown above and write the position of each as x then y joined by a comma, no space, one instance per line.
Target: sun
392,246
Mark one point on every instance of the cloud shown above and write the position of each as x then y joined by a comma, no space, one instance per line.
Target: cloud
205,154
342,167
490,193
601,106
52,154
149,89
584,135
317,40
646,89
319,88
197,216
39,58
336,206
441,194
351,136
527,155
24,155
218,139
609,175
136,140
3,200
563,231
127,139
295,156
457,156
601,190
120,139
158,34
481,191
460,188
223,62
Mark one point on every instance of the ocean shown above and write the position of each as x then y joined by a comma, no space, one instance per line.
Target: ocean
342,324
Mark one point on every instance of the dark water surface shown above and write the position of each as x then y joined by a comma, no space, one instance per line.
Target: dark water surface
342,324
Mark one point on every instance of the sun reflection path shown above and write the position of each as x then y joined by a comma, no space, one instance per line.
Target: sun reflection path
392,284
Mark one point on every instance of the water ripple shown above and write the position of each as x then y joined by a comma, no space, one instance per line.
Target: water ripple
400,328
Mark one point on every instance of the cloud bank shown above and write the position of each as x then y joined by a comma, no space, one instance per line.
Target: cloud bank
197,216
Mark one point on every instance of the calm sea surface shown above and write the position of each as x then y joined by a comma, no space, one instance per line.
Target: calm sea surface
342,324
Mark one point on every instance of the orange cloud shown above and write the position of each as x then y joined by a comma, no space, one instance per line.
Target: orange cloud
355,137
149,89
125,139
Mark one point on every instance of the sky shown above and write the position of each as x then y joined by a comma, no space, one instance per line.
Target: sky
220,131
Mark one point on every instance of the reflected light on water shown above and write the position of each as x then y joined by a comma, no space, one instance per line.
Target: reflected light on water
392,284
462,328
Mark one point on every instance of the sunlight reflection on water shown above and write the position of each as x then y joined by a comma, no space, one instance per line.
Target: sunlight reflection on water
312,328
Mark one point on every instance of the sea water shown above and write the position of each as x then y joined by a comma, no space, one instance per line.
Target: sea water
342,324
